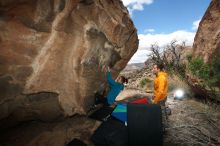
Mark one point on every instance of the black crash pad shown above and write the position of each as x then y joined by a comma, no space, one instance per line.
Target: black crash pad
111,133
102,114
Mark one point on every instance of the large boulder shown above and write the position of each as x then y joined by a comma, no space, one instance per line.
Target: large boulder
207,39
52,52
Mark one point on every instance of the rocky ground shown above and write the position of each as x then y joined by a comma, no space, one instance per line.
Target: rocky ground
57,133
193,123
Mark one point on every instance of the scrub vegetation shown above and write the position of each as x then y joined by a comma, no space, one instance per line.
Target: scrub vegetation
200,75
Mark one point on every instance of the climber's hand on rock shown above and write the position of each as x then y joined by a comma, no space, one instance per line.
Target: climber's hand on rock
109,70
104,68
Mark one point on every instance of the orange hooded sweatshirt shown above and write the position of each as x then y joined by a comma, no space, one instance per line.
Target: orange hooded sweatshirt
160,87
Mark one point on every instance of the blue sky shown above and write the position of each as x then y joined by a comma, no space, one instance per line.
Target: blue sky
161,21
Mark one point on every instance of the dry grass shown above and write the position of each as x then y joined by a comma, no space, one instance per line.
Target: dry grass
193,123
174,83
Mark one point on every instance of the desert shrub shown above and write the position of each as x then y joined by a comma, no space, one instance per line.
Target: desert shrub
214,73
175,82
199,68
170,56
209,72
144,82
189,57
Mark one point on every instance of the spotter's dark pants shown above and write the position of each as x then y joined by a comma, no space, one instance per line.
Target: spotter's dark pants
164,114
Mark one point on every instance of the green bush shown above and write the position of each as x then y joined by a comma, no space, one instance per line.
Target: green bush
199,68
195,65
210,72
214,73
144,81
189,57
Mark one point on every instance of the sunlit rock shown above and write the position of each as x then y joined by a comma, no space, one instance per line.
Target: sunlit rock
52,53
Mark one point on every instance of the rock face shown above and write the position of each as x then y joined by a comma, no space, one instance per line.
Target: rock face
60,133
207,39
52,52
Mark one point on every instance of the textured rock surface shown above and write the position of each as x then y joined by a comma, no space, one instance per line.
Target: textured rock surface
207,39
52,51
50,134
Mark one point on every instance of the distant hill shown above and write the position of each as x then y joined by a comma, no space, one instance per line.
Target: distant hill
133,66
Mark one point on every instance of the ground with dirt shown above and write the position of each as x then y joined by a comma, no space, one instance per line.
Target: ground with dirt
192,123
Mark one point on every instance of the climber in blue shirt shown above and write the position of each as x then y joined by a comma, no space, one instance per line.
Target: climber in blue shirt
116,86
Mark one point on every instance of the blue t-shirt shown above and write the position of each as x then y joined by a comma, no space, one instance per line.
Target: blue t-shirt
115,88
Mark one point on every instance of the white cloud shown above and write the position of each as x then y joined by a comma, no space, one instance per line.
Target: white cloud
129,2
136,4
146,40
196,24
